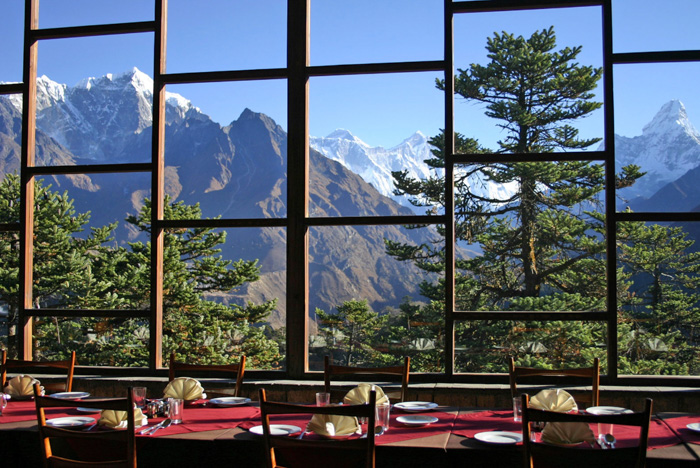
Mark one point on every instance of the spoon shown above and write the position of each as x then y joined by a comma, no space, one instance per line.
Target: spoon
610,440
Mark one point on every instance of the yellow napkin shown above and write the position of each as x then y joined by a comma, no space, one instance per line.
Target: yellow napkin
22,386
360,395
333,425
117,419
567,433
554,400
185,388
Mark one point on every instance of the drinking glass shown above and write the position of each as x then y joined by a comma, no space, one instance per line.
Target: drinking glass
382,415
517,409
139,394
3,402
175,407
323,399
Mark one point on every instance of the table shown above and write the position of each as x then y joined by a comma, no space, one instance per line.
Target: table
218,435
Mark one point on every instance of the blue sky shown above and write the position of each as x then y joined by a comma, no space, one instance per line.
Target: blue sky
379,109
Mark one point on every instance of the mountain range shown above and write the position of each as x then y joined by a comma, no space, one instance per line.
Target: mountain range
239,171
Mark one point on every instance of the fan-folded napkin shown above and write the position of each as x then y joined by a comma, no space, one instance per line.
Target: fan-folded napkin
554,400
360,395
22,386
117,419
184,388
333,425
564,433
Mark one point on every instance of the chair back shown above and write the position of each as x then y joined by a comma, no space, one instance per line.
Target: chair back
342,451
592,374
402,372
115,448
229,371
19,364
546,454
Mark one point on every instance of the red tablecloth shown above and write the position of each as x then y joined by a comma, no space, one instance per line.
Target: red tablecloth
397,432
678,425
469,424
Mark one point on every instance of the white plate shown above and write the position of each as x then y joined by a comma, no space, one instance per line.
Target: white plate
694,427
70,395
499,437
229,401
415,406
75,422
598,410
277,429
88,410
417,420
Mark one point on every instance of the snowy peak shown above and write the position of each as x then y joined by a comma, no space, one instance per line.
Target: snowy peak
342,134
670,120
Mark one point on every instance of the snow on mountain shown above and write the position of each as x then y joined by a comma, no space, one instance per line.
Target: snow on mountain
668,147
375,164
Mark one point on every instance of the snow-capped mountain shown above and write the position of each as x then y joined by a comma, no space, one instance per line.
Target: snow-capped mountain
668,147
98,118
375,164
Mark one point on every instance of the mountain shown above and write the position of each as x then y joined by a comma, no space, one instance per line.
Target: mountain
375,164
668,148
237,171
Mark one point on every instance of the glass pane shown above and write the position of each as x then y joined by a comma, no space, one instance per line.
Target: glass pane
658,135
11,155
11,38
659,319
369,308
94,99
215,307
673,24
507,117
63,13
236,165
114,342
484,346
365,31
373,125
530,236
9,288
81,256
226,35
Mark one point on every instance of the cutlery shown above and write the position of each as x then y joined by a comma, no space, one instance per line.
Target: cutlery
154,428
162,425
602,444
610,439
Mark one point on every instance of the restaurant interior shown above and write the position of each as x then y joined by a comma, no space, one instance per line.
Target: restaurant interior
505,362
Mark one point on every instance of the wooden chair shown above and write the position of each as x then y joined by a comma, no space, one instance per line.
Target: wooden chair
593,373
350,452
402,372
544,454
119,443
51,387
229,371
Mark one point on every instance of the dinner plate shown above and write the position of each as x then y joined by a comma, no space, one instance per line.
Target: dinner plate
88,410
277,429
70,395
598,410
75,422
229,401
415,406
417,420
694,427
499,437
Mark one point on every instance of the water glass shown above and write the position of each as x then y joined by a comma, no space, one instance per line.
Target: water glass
604,429
382,415
3,402
323,399
175,407
139,395
517,409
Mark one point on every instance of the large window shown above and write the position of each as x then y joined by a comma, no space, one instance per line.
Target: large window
455,181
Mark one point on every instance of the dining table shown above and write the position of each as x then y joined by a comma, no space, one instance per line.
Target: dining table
226,434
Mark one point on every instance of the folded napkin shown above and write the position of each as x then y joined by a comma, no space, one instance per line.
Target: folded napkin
185,388
360,395
117,419
567,433
333,425
22,386
554,400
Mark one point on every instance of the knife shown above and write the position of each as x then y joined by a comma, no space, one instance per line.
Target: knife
162,425
152,429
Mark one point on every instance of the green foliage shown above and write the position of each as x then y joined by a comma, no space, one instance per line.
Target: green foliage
88,273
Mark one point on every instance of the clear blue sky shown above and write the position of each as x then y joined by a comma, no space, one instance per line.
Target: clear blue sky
379,109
